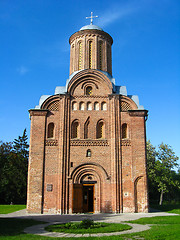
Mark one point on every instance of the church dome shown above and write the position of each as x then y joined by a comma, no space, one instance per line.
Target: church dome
91,26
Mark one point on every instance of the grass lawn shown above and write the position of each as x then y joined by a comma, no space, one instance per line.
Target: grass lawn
164,228
4,209
104,228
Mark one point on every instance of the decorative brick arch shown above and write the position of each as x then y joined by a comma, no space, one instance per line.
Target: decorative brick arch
138,193
91,76
127,104
51,103
89,168
80,177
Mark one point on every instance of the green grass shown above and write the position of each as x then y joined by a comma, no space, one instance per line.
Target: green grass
12,229
4,209
163,228
99,228
158,220
167,227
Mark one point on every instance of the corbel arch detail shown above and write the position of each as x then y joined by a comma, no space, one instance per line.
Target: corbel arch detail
51,103
88,168
127,104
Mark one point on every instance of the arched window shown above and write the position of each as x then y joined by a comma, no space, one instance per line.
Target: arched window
75,130
100,55
74,106
88,153
89,106
80,56
51,130
124,131
89,90
86,128
100,131
109,58
90,54
81,106
96,106
103,106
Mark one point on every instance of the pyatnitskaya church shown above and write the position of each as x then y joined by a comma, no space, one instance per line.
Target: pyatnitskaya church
88,140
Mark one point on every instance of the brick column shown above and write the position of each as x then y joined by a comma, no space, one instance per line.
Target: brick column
36,161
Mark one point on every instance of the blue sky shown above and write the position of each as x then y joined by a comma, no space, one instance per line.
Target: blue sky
34,51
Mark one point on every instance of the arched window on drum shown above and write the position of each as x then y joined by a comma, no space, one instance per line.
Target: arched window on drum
80,56
90,54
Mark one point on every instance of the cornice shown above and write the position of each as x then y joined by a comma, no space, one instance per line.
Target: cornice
138,113
89,33
38,112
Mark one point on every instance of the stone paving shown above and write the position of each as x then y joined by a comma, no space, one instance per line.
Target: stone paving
39,230
102,217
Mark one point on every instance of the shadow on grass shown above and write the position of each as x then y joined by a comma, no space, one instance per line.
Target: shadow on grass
14,227
173,208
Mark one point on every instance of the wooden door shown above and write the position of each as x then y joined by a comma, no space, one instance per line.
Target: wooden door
77,198
88,198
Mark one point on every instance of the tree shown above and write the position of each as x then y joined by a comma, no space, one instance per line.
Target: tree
21,146
13,170
161,176
166,161
151,171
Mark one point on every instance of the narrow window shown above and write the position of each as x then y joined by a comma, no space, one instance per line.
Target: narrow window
80,56
89,91
124,131
100,55
109,58
88,153
81,106
74,106
89,106
51,130
90,54
103,106
96,106
75,130
86,128
100,130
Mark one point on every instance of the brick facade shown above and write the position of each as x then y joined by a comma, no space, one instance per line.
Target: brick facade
87,144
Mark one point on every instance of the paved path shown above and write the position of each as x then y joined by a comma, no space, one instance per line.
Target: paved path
102,217
39,230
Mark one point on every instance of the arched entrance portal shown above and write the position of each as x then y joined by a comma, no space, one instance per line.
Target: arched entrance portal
87,191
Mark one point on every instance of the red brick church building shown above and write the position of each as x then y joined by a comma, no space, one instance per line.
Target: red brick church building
87,143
